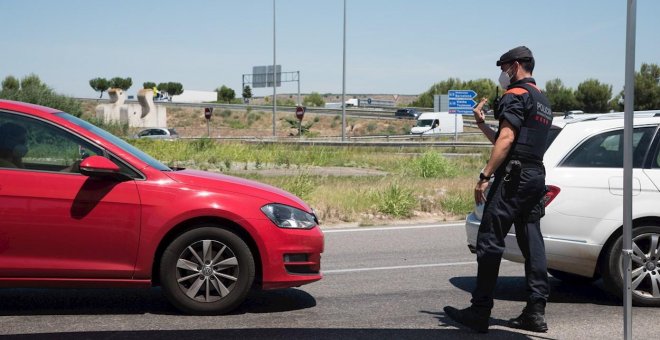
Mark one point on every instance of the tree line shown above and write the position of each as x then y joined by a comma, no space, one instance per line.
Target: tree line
31,89
101,85
591,95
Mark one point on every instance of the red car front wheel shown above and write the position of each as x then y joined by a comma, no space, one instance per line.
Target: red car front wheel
207,270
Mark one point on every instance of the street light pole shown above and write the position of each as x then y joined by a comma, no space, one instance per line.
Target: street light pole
274,73
343,84
628,108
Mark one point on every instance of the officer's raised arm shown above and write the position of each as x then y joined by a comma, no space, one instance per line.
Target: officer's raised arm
480,119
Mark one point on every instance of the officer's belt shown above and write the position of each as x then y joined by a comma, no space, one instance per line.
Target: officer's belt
526,164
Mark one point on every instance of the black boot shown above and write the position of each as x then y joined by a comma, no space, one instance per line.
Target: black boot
469,317
532,318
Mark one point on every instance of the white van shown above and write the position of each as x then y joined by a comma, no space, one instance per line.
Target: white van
429,123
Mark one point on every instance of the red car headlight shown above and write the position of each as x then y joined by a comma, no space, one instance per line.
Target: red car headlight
288,217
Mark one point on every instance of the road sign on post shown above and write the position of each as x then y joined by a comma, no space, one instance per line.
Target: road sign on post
207,114
460,103
300,112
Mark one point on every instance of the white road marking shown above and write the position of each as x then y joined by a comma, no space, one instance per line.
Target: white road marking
329,231
335,271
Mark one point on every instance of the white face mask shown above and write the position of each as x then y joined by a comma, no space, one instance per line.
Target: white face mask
505,79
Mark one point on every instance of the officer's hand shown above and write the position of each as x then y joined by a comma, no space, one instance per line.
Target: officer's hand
479,192
479,113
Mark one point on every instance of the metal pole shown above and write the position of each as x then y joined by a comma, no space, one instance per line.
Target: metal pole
343,84
274,73
628,104
299,102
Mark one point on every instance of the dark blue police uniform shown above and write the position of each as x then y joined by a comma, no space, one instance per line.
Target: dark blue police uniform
515,197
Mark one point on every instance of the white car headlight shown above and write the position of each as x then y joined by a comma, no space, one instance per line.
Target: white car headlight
288,217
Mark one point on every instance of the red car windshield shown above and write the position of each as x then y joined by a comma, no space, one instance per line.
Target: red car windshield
115,140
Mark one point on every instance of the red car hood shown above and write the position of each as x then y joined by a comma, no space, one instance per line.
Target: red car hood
220,182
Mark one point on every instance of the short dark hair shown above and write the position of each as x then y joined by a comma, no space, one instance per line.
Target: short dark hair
527,64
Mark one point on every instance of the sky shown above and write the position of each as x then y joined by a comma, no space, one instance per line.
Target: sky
392,46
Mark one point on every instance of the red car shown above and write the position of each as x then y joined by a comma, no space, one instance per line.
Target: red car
80,207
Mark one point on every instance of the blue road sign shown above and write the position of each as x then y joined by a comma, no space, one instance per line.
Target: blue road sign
461,94
461,102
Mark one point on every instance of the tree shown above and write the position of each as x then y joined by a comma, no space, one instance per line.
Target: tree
561,98
247,92
121,83
616,104
172,88
313,99
162,87
11,83
225,94
148,85
647,87
99,85
594,96
31,90
32,81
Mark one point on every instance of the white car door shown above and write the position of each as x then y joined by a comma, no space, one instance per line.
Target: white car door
654,171
591,183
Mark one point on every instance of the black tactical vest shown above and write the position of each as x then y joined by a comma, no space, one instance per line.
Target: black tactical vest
531,141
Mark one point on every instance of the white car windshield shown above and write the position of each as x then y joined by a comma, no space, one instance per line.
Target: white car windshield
424,122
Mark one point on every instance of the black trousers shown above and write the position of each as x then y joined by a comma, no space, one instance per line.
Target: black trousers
514,200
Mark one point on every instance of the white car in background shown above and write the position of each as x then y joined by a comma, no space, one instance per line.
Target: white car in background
158,133
582,228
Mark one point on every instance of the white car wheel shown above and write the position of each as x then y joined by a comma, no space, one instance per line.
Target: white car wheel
645,266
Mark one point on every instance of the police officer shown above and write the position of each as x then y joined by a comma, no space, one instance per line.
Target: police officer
516,163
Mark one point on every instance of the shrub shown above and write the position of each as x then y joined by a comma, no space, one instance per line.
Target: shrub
253,117
396,201
313,99
433,165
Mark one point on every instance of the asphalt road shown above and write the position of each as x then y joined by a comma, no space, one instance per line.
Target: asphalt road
380,283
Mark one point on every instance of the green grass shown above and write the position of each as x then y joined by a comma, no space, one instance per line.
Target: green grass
396,201
417,180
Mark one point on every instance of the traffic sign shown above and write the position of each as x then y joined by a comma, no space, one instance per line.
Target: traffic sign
461,102
207,112
461,111
461,94
300,112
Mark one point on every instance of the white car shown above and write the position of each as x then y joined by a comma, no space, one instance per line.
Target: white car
583,224
158,133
